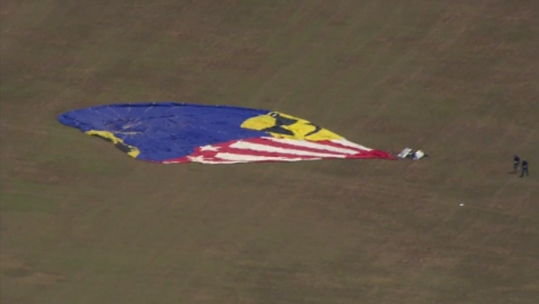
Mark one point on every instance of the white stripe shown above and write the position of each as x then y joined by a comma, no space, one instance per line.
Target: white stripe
216,162
350,144
312,145
250,158
267,148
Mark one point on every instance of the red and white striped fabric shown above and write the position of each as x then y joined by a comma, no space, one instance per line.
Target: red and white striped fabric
269,149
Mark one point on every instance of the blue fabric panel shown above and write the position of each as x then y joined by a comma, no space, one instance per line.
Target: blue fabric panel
163,131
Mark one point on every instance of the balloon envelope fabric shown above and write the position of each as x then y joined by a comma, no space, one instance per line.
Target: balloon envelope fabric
212,134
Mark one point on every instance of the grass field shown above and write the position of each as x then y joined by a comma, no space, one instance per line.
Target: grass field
83,223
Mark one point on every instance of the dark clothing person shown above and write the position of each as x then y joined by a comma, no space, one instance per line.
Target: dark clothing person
524,168
516,163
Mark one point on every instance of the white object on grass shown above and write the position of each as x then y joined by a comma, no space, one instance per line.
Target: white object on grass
404,153
407,153
419,154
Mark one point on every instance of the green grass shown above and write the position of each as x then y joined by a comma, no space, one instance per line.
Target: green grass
84,223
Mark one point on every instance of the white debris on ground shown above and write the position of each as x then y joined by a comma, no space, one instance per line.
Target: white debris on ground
407,153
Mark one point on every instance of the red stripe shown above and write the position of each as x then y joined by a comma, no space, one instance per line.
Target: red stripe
266,153
228,149
360,153
342,146
225,147
287,146
366,155
214,155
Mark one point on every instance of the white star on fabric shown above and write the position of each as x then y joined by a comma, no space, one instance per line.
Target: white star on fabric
209,148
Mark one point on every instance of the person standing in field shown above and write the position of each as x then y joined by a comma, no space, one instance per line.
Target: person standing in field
524,168
516,163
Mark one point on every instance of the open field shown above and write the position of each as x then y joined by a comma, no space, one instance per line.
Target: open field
83,223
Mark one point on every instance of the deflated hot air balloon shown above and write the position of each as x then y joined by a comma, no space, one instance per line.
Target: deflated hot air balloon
211,134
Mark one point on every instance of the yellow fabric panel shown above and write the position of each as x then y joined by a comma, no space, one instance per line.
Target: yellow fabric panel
130,150
300,128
